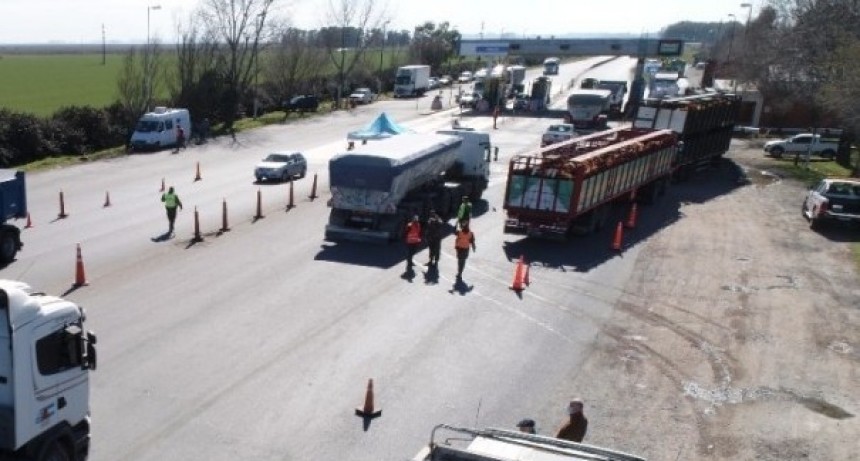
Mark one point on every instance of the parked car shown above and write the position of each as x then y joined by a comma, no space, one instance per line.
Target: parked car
802,143
833,199
556,133
465,77
281,166
445,80
302,103
469,99
362,96
433,83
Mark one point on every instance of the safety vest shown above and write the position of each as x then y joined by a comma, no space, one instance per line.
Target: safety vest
413,233
170,200
463,240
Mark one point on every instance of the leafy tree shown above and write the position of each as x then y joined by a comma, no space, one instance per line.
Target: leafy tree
433,45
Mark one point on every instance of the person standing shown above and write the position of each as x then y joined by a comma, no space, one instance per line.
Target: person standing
464,213
413,239
433,234
180,137
171,203
575,427
463,239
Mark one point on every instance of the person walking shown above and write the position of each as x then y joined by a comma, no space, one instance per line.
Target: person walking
171,203
433,234
413,240
574,428
464,213
463,239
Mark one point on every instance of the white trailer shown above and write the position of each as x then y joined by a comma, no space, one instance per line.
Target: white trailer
45,359
413,80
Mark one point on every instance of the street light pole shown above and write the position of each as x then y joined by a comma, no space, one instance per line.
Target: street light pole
147,78
381,52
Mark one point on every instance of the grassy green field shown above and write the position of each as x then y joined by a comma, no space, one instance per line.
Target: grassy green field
40,84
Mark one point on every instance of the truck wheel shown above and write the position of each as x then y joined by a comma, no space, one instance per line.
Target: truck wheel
54,452
8,248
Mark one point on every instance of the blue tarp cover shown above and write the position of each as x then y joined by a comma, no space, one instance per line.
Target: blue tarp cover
382,127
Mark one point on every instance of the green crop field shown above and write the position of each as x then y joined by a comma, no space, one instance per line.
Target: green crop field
42,83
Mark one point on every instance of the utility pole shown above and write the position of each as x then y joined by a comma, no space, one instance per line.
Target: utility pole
104,46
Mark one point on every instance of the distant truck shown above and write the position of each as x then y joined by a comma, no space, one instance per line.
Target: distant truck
704,124
466,444
158,129
570,187
551,65
516,77
13,205
46,356
814,144
587,110
376,187
541,94
413,80
616,99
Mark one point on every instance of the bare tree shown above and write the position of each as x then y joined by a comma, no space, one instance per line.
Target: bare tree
138,78
295,62
239,25
348,20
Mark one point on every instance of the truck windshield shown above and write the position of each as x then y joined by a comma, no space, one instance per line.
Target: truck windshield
405,79
586,100
146,126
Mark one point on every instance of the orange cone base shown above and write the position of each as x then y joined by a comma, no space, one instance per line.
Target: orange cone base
370,414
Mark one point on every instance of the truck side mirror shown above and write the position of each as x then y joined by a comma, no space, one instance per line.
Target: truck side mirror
90,362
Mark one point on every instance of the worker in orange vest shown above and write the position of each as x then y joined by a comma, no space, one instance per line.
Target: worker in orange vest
413,240
463,239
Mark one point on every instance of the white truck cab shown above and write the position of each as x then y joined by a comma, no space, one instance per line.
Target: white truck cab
45,360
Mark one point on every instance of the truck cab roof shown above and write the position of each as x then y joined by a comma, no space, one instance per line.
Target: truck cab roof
24,305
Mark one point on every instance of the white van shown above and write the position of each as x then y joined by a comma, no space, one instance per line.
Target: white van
158,128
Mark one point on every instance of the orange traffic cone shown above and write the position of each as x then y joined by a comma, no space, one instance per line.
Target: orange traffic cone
526,276
259,214
29,221
198,237
517,284
291,204
107,199
80,277
197,176
62,207
631,220
368,411
314,188
616,241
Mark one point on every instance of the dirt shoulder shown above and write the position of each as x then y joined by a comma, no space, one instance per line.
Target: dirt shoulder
739,335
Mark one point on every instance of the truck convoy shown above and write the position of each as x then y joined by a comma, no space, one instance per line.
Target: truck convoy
377,186
13,205
411,80
704,124
571,186
465,444
45,359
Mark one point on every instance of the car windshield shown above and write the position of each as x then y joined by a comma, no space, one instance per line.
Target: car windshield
280,158
297,99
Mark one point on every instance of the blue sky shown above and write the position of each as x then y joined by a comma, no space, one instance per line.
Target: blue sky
125,21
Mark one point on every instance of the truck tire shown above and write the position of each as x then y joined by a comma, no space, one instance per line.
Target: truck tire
54,451
8,247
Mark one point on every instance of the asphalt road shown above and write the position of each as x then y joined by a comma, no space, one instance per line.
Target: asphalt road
258,343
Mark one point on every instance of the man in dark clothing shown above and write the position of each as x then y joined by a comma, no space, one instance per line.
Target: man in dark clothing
463,239
433,234
574,429
171,203
180,138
